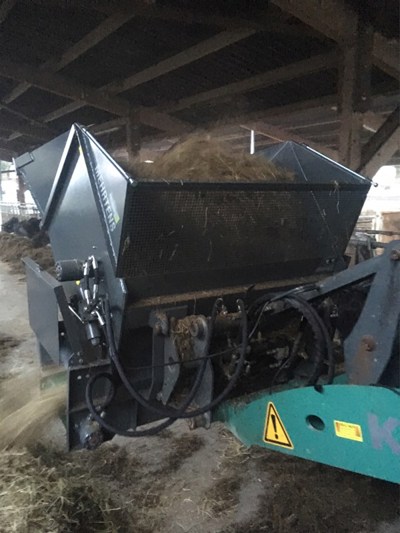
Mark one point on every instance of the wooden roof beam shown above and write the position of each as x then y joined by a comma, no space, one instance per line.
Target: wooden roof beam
382,145
386,55
62,86
280,134
57,84
174,62
15,124
191,54
338,21
6,154
267,79
5,8
103,30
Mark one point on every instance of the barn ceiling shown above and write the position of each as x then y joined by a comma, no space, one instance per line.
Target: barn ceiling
163,68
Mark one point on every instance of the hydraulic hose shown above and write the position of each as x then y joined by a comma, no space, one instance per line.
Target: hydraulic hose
321,334
327,337
182,411
123,432
323,341
153,430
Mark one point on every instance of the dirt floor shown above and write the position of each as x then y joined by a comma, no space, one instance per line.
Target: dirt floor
180,481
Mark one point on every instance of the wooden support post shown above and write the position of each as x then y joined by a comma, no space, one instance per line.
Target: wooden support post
354,85
133,140
5,8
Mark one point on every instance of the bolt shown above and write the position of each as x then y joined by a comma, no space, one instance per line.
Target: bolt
369,343
197,329
395,255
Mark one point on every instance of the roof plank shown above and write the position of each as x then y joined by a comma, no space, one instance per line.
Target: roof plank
62,86
199,50
338,21
5,8
386,55
267,79
100,32
174,62
280,134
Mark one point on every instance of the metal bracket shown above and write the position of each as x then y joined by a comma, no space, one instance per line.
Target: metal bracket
369,347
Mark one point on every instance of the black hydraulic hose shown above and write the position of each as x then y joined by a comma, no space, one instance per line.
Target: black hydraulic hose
182,413
164,412
319,339
124,432
320,331
287,362
317,323
153,430
328,343
273,297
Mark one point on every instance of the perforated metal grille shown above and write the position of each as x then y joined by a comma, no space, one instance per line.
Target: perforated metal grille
172,231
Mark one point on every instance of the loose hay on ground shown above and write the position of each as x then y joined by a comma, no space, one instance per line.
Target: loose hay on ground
7,343
301,496
13,248
181,449
57,494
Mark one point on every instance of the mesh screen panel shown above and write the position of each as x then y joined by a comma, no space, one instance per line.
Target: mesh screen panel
172,231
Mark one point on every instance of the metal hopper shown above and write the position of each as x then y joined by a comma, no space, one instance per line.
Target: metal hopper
174,237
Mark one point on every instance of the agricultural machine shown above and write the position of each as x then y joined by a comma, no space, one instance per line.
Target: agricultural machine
217,301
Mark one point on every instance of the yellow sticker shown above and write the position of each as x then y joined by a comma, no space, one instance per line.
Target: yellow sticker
274,431
346,430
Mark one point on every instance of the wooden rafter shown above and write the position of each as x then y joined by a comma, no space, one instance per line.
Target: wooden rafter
382,145
6,154
67,88
202,49
5,8
62,86
164,122
280,134
302,111
267,79
23,128
386,55
174,62
338,21
103,30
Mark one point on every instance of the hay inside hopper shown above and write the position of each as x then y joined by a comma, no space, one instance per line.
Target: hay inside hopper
206,159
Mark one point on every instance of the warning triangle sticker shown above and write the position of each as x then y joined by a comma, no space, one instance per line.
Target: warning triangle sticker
275,432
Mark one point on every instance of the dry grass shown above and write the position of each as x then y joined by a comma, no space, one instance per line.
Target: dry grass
181,449
25,411
7,343
42,490
13,248
223,496
301,496
201,158
182,337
